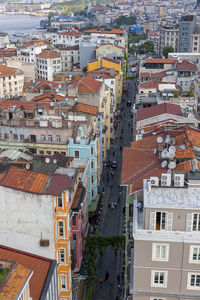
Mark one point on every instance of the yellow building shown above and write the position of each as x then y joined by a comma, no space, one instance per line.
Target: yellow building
109,63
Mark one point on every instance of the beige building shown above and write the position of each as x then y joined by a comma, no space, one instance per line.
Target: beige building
166,232
169,36
11,82
48,63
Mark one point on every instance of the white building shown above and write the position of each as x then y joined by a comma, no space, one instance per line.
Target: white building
11,82
48,62
68,39
28,53
69,56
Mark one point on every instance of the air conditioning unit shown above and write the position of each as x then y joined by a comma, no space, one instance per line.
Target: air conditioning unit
166,180
178,180
154,181
44,243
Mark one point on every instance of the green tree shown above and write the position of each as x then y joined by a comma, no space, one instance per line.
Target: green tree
167,50
123,20
146,47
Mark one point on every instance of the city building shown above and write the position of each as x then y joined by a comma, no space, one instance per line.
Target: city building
151,155
32,276
68,39
187,26
70,56
169,36
11,82
28,51
39,206
47,63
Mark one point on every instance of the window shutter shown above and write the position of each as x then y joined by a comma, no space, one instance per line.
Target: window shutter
189,222
152,220
169,221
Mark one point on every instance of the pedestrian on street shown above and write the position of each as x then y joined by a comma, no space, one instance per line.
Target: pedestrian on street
107,275
118,279
101,280
113,153
109,205
115,204
117,298
119,287
118,199
115,251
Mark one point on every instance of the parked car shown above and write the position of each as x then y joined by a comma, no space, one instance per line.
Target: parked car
114,164
129,103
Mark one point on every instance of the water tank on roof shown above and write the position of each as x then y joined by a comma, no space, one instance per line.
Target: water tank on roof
80,131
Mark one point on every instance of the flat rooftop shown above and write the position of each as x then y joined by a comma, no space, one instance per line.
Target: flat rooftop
172,197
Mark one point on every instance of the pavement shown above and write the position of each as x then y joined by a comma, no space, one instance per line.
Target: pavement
112,219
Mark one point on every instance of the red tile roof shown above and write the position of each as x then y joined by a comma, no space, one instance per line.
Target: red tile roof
77,198
70,33
25,180
186,65
114,45
86,85
14,281
39,265
105,31
140,162
48,54
93,110
27,105
151,84
59,183
160,60
9,71
149,112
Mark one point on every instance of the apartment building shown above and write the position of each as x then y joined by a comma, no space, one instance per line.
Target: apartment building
155,65
187,26
195,43
47,63
39,206
28,51
11,82
70,56
169,36
68,39
166,238
36,275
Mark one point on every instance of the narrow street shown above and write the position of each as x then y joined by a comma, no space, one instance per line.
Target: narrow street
112,219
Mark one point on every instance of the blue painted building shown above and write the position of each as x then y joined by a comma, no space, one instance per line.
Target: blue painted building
86,149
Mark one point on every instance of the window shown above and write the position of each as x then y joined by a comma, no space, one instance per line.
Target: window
62,255
92,179
193,222
42,138
49,152
76,154
59,201
58,138
193,281
61,228
159,278
92,193
63,282
74,237
160,252
194,254
41,152
161,221
157,298
92,165
21,137
50,139
92,150
74,220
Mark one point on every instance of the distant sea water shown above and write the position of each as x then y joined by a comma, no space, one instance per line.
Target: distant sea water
24,24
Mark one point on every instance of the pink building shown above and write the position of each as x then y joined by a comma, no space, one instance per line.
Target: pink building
79,226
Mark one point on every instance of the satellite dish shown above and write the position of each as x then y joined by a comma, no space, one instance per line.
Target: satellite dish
172,149
164,164
164,153
47,160
142,131
159,140
172,165
167,140
27,166
173,141
171,155
54,161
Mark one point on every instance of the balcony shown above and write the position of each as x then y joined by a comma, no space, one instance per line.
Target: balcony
104,129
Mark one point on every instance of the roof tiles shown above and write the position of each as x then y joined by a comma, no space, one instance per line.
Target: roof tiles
149,112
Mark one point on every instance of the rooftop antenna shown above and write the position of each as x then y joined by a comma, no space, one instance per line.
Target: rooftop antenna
47,160
159,140
164,164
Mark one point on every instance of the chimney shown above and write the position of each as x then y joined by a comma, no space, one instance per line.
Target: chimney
99,61
112,72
